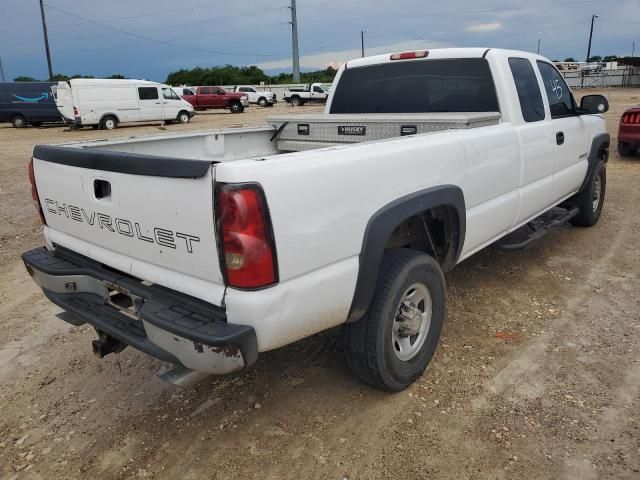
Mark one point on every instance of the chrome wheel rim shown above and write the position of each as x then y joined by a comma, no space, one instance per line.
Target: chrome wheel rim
109,124
597,193
411,322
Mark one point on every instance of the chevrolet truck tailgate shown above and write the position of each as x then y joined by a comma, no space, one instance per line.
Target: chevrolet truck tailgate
147,216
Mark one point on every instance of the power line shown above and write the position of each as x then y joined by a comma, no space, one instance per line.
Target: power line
161,42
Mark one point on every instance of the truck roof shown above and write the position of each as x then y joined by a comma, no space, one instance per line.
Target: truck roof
441,53
109,81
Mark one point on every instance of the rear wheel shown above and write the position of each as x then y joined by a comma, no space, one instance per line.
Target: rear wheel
108,123
394,342
591,199
183,117
296,101
262,102
625,150
236,107
19,121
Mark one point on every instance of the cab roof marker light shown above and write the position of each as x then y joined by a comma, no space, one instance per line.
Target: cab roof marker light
409,55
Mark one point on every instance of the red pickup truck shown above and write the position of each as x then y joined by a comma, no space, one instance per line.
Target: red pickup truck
203,98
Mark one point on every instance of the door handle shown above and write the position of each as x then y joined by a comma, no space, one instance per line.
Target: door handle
560,138
157,103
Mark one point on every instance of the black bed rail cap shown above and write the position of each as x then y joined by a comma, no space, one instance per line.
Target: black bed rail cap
122,162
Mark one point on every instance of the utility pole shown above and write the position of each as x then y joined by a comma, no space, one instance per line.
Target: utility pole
633,48
2,71
362,41
538,46
46,40
294,42
593,17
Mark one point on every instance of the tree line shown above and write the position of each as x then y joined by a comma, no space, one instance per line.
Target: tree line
232,75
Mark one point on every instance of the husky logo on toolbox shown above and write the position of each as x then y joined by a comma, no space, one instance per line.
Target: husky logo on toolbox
161,236
352,130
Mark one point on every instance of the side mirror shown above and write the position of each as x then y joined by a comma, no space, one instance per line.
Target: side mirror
594,104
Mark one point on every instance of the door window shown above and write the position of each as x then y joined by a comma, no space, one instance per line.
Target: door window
219,91
187,91
317,89
561,101
205,91
528,89
169,94
147,93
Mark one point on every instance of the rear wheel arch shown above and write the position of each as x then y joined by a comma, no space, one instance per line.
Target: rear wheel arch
406,217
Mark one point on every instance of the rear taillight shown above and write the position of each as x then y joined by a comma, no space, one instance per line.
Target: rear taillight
409,55
76,112
34,193
631,117
247,248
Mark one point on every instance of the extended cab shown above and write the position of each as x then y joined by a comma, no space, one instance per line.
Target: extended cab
314,93
203,98
259,97
206,248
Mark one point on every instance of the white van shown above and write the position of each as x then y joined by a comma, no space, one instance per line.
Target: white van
103,103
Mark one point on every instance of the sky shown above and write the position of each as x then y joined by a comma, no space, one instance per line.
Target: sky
150,38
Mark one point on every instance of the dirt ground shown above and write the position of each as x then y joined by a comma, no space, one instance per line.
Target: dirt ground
537,374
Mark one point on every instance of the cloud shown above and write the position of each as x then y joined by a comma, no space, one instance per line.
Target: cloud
337,58
484,27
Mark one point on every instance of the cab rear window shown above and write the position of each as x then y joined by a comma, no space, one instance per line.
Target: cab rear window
419,86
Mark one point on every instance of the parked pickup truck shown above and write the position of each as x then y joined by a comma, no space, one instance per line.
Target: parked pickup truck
313,93
203,98
259,97
205,248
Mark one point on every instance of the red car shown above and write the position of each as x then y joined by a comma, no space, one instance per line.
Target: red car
203,98
629,132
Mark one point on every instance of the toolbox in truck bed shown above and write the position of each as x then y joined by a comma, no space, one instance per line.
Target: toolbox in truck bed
306,132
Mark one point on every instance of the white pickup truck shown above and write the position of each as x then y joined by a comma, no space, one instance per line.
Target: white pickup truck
313,93
204,249
259,97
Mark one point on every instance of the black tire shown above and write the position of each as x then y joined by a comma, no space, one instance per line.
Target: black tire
625,150
236,107
371,351
262,102
585,200
95,127
18,121
183,117
296,101
108,122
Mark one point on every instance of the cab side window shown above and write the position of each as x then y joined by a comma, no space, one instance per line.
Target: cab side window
561,101
148,93
169,94
317,89
528,89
